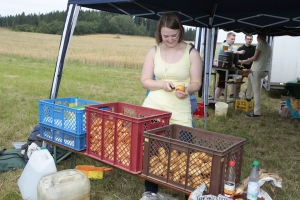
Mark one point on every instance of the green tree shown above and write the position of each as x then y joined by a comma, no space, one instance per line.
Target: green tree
114,26
43,27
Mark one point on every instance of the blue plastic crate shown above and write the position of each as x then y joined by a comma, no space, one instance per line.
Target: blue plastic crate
60,113
70,140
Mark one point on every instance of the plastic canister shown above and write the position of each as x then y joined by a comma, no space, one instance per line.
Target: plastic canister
221,108
40,163
68,184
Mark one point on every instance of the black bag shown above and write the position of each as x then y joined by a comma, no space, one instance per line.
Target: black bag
11,159
32,138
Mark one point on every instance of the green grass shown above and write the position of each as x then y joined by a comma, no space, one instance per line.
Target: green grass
272,140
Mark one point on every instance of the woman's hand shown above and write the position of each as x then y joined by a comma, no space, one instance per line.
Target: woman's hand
181,92
167,86
181,95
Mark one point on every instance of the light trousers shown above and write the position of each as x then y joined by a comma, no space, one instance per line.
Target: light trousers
254,86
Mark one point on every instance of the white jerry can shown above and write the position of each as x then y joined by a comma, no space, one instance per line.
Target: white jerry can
68,184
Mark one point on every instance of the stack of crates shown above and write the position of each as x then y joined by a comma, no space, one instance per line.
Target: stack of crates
243,104
64,123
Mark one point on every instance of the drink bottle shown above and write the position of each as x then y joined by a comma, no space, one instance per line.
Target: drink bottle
76,101
253,184
229,185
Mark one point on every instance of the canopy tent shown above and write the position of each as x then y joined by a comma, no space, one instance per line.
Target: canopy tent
271,17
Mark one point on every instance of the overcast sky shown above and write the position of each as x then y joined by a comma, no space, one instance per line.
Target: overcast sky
13,7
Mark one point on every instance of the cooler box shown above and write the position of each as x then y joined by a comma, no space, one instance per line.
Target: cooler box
293,88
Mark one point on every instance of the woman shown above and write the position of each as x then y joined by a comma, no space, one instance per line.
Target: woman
172,63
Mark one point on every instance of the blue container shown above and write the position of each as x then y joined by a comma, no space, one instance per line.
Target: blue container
70,140
294,113
62,113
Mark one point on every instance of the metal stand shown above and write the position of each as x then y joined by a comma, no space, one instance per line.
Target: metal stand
232,100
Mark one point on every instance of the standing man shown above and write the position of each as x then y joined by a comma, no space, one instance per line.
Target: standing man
249,50
221,81
260,69
222,74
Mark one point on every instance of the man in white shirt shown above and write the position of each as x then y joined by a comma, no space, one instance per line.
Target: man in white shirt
260,69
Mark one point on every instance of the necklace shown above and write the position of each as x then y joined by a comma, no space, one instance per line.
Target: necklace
167,66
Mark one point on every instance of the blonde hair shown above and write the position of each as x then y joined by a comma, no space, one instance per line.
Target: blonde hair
171,21
230,34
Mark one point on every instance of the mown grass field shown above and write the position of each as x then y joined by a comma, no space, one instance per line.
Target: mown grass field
107,68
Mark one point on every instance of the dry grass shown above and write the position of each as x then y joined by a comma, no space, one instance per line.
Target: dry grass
27,67
105,50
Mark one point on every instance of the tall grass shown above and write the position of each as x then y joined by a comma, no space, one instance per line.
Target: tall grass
27,66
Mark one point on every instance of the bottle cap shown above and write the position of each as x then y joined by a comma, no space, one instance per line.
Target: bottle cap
231,163
255,163
43,148
76,97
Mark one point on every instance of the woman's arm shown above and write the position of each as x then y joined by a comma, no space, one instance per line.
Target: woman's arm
148,71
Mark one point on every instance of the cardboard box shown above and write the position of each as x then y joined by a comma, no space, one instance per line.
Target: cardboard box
281,105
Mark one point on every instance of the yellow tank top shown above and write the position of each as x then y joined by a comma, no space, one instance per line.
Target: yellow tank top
178,73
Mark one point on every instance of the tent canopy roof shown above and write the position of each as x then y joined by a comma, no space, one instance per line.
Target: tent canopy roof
271,17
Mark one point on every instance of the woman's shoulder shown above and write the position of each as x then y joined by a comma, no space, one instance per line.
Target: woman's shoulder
153,49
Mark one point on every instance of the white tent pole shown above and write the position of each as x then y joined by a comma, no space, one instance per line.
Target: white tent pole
69,26
198,38
210,41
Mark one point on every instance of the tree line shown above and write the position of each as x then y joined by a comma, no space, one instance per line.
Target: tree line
88,22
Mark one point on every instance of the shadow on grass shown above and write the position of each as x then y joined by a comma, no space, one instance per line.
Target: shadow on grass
276,94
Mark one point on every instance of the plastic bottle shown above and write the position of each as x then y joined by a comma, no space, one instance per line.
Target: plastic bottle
76,101
229,185
253,184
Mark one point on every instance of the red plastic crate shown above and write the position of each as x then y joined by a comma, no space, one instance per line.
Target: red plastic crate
115,133
199,113
184,157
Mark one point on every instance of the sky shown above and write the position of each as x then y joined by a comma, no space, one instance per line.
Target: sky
13,7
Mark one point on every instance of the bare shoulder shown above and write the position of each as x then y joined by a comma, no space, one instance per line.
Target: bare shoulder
152,49
194,53
151,52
